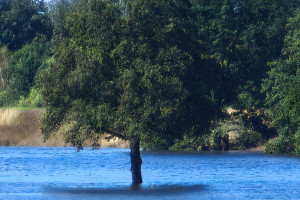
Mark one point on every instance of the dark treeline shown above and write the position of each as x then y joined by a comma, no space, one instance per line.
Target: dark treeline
159,72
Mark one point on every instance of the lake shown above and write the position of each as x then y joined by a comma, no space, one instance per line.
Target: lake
63,173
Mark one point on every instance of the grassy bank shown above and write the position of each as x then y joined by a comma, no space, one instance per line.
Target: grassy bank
21,127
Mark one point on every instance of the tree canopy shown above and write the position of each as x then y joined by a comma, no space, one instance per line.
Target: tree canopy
139,74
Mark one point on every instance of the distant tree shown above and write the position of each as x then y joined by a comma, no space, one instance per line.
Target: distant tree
21,21
283,91
132,70
25,63
242,36
25,29
58,10
4,63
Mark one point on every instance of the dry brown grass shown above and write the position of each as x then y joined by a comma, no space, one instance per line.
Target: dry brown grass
22,128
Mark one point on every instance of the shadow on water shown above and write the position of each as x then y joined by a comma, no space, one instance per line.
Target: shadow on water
127,190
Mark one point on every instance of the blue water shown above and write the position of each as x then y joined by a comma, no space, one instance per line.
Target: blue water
63,173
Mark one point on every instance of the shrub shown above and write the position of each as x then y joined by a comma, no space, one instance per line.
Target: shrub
233,134
281,145
249,139
8,97
34,99
191,143
219,138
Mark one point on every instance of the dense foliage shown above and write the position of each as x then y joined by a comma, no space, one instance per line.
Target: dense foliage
283,92
156,71
21,21
25,31
242,37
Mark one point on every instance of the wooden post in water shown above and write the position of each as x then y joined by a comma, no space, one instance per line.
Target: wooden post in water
136,161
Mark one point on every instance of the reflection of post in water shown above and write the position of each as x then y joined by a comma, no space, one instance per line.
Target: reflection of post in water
135,186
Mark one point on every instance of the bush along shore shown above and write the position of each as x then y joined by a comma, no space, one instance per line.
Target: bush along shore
235,131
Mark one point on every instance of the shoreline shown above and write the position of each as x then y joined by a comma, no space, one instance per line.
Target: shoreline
21,127
257,150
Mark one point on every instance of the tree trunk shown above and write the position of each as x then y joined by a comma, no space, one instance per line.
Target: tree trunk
136,161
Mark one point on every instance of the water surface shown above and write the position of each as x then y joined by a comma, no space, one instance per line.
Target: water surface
63,173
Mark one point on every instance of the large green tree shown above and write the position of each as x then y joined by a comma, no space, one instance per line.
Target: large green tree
131,69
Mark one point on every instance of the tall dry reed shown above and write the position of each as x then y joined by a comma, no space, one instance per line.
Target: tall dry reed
22,128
